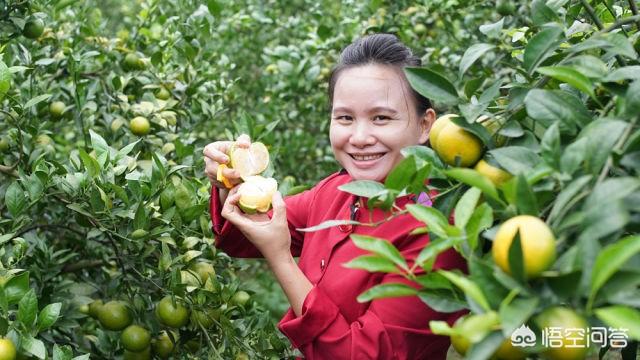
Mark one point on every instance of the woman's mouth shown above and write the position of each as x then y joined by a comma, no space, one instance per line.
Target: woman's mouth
366,157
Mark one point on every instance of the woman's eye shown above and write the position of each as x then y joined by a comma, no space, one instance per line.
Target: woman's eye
343,118
381,118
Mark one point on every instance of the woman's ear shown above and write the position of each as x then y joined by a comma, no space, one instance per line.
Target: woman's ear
427,120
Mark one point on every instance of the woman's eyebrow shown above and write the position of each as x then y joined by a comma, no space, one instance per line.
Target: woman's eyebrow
385,109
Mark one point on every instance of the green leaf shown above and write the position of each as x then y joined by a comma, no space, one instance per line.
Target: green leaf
15,199
140,219
610,259
525,198
570,76
540,47
515,159
33,346
473,53
101,147
402,174
601,136
90,164
621,317
549,106
435,221
480,220
610,190
36,100
486,347
388,290
444,301
440,328
380,247
372,263
5,79
62,352
624,73
423,153
428,255
215,7
465,207
28,308
541,13
16,287
474,178
364,188
590,66
49,315
613,43
468,287
516,259
432,85
515,314
633,98
566,195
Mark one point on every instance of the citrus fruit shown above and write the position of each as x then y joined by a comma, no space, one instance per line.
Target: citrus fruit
163,94
139,234
137,355
204,270
114,315
133,62
163,345
256,194
205,318
573,342
249,161
43,139
135,338
242,356
507,351
56,109
454,145
420,29
495,174
537,242
33,28
476,327
189,278
240,298
94,308
172,315
84,309
7,349
505,7
437,126
168,148
4,144
140,126
221,178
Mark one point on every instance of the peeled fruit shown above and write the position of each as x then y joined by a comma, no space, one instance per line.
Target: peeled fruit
495,174
249,161
140,126
537,242
220,177
256,194
454,145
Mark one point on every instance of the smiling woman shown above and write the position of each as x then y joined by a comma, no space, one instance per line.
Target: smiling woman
375,114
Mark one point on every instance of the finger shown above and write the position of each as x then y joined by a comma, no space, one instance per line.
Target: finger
217,151
243,140
229,209
279,206
231,174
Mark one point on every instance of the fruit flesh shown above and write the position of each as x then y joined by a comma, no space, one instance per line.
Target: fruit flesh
249,161
256,194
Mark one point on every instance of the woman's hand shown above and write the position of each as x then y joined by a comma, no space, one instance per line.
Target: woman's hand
216,153
269,235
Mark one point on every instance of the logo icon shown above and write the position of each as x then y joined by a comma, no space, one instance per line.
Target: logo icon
523,337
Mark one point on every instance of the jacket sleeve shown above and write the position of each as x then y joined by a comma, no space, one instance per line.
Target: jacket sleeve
233,242
391,328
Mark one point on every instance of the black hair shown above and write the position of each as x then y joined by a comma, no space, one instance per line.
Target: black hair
383,49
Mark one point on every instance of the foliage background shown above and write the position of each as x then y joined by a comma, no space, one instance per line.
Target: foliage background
75,196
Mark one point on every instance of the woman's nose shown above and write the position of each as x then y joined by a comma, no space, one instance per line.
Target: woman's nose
362,134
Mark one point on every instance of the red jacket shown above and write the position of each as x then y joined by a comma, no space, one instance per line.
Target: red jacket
333,325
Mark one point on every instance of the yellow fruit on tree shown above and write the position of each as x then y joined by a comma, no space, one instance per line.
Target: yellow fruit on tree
455,145
204,270
495,174
573,339
256,194
140,126
7,349
163,94
537,242
240,298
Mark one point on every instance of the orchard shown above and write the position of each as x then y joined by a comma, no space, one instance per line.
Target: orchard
106,243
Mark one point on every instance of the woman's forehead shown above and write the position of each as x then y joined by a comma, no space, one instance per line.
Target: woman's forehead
370,86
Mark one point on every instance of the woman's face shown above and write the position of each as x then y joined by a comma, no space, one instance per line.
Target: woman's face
372,119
